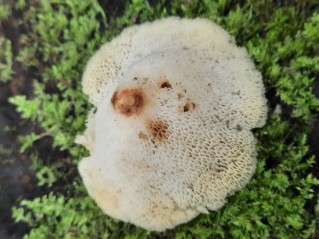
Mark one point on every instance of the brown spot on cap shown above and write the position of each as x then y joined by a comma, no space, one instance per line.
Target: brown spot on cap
128,101
158,129
187,107
180,96
166,84
142,136
239,128
145,80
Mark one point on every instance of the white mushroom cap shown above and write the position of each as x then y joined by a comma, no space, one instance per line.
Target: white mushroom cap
171,137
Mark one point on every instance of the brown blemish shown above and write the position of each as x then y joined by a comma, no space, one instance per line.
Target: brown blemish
158,129
142,80
128,101
180,96
145,80
189,106
239,128
236,93
166,84
142,135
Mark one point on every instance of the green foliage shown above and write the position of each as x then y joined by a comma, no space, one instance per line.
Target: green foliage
283,41
68,217
53,114
6,71
6,154
5,10
60,216
290,61
6,57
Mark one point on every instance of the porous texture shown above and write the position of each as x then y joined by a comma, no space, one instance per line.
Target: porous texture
170,136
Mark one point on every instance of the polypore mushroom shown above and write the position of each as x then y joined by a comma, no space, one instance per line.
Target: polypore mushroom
170,136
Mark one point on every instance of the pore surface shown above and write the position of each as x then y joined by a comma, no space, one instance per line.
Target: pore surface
171,133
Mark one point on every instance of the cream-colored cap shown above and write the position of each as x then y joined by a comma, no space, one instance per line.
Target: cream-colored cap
170,136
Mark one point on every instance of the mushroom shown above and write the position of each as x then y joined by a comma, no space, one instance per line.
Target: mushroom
170,136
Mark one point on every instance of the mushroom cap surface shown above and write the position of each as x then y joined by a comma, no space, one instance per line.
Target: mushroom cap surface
170,136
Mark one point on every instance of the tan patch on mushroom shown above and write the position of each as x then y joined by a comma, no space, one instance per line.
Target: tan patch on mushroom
145,80
116,200
180,96
128,101
112,199
158,129
142,136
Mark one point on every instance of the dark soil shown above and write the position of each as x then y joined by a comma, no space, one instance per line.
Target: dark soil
17,179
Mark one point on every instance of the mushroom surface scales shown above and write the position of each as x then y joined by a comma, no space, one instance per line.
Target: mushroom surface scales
170,136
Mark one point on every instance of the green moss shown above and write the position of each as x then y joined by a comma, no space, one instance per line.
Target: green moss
5,10
6,71
282,39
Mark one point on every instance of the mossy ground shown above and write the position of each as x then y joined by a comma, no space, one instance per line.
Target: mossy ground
55,40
